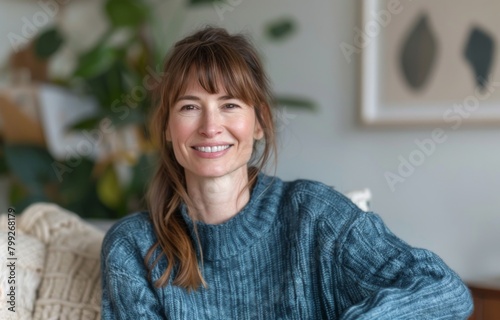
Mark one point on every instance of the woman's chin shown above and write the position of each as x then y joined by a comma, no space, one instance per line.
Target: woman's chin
213,173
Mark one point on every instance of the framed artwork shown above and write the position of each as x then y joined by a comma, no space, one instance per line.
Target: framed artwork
429,62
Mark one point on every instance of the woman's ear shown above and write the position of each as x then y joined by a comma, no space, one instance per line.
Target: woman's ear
258,131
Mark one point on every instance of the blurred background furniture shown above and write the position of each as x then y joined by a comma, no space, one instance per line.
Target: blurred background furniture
486,303
57,266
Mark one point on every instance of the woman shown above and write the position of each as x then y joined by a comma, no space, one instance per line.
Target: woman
224,241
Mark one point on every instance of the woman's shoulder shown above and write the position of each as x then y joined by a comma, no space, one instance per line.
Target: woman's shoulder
131,233
130,224
307,203
318,194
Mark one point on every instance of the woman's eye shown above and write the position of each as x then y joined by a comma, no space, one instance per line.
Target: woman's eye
231,106
188,107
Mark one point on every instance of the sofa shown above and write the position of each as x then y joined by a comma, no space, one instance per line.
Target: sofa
56,268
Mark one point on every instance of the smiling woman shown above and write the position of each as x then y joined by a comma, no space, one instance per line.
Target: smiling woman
212,134
222,240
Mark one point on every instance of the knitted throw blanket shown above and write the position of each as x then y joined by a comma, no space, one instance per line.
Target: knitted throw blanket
57,273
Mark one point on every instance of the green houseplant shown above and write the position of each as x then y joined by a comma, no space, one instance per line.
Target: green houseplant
113,73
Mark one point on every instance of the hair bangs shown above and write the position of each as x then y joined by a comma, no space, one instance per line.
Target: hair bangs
218,70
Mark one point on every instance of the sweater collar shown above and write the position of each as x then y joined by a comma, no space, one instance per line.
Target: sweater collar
220,241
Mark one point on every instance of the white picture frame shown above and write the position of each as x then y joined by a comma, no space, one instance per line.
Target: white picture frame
450,95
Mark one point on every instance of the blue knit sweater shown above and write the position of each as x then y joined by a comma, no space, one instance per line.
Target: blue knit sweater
297,250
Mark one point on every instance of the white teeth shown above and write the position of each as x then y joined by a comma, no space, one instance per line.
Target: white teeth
212,149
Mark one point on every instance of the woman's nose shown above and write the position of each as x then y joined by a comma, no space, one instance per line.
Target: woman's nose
210,124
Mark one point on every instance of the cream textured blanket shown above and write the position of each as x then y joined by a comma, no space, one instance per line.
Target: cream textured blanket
57,269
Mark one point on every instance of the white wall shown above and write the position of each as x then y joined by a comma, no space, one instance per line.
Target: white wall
449,204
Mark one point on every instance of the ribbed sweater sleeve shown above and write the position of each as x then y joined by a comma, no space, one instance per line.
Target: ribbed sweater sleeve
126,291
382,277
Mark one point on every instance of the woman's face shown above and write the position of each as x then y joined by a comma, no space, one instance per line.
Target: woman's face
212,134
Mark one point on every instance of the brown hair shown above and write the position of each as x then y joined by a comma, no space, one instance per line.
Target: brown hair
213,57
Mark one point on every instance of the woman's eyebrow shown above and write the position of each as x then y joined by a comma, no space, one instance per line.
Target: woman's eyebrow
191,97
188,97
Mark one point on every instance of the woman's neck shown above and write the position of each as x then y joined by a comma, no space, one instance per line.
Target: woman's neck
217,200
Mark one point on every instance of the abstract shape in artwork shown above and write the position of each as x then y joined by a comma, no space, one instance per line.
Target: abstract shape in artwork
479,52
418,53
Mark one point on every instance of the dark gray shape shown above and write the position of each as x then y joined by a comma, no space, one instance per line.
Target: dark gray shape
419,53
479,52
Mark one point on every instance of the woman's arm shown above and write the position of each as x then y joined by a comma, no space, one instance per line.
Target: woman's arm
388,279
126,291
126,297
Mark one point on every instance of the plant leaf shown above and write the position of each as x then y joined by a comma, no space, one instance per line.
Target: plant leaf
295,103
86,124
89,206
96,61
127,116
16,193
109,189
76,181
202,2
281,29
47,43
31,165
3,164
21,201
109,87
126,13
141,174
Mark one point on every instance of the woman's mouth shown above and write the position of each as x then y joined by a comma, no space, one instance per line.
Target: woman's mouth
212,149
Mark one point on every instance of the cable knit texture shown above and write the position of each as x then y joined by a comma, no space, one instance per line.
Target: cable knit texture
27,273
62,254
297,250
